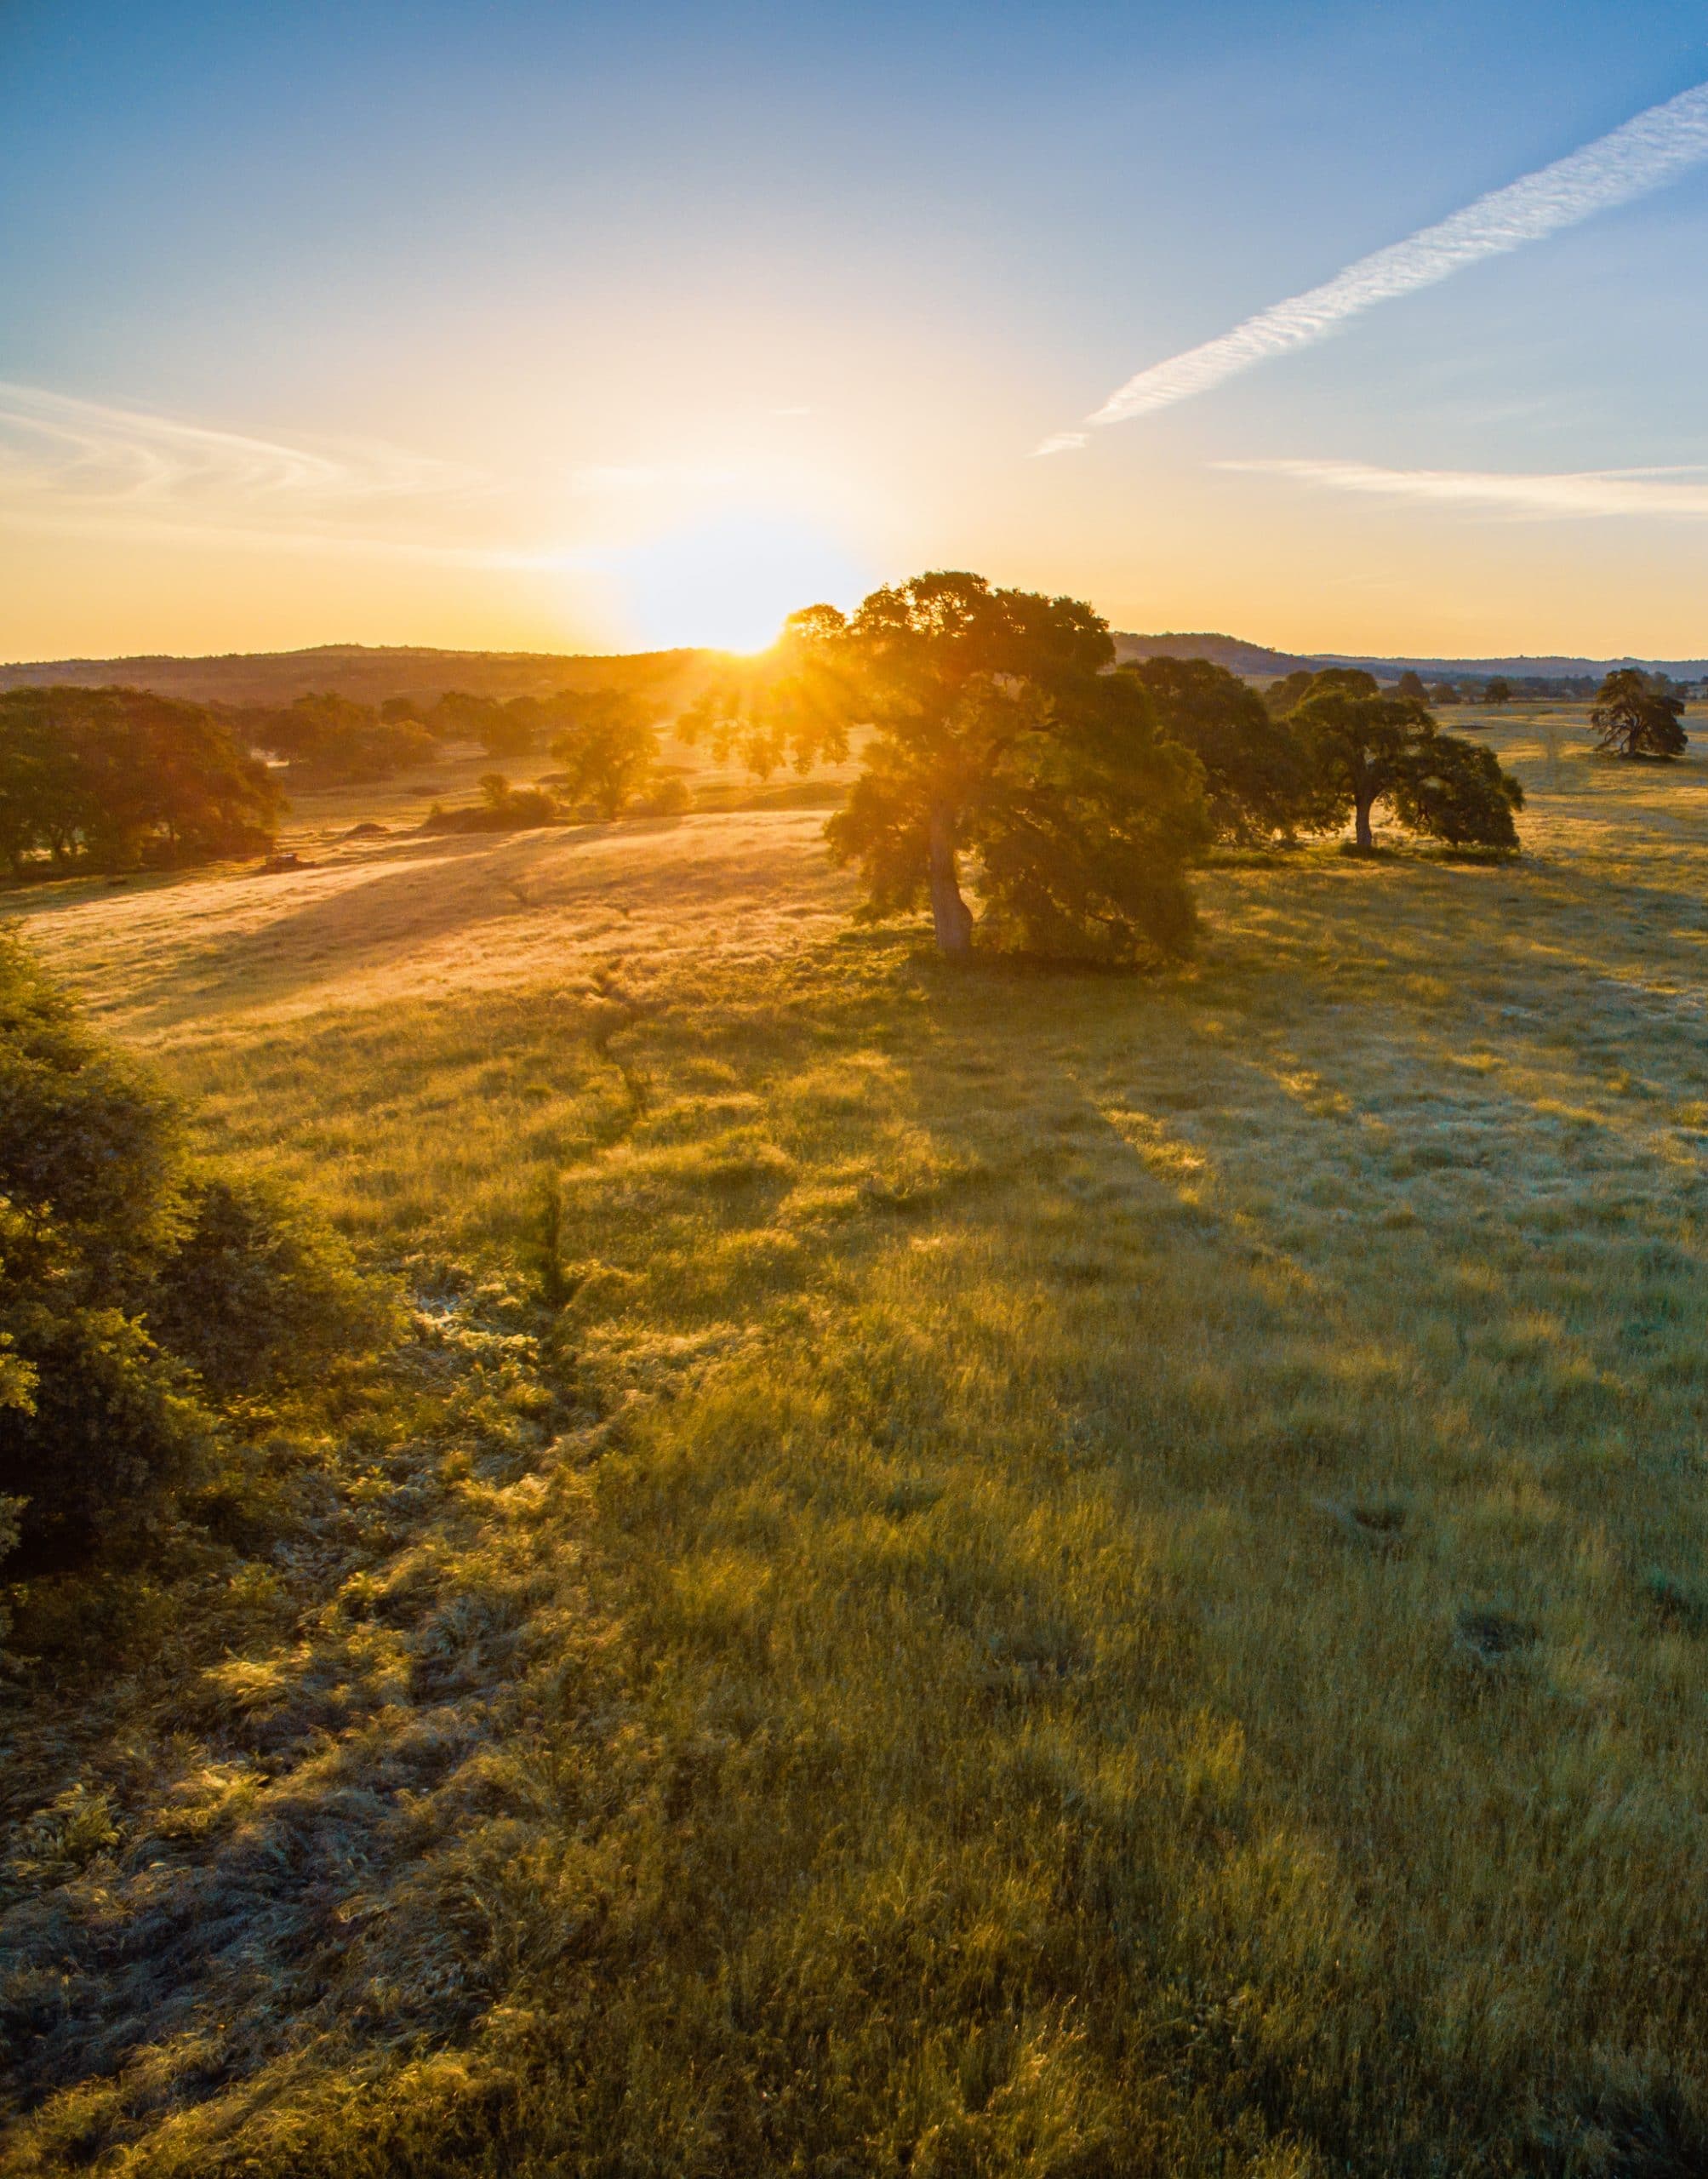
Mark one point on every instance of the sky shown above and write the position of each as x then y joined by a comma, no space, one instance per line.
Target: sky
556,327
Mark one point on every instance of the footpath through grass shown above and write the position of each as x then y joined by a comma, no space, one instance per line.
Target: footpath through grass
1099,1576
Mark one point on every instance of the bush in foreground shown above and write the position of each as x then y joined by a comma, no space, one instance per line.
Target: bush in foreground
133,1292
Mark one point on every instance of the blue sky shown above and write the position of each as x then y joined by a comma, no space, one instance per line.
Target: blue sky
645,290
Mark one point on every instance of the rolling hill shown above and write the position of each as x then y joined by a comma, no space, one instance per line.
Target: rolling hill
1257,662
370,673
366,672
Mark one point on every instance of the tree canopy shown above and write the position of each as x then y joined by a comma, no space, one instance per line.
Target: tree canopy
1368,748
330,740
1633,718
608,745
1257,777
119,777
1286,694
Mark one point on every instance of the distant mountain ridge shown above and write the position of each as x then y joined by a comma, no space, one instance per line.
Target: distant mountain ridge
368,672
1258,662
371,672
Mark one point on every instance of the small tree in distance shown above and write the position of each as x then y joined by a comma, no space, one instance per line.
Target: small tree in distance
1411,684
1498,691
1632,719
607,747
1443,693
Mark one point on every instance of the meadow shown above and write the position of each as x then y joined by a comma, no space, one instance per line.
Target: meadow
1095,1575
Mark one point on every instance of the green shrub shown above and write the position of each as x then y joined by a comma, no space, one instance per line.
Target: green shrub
113,1425
134,1294
503,808
87,1141
256,1293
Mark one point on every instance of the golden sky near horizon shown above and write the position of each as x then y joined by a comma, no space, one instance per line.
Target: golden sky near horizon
223,547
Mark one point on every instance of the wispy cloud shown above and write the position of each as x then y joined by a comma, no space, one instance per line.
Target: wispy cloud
71,463
1645,153
1681,494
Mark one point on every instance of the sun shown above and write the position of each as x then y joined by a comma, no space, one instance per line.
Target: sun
727,581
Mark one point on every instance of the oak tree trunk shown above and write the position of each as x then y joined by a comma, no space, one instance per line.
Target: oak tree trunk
950,917
1361,822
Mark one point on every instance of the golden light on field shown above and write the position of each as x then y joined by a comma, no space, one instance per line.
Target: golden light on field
727,580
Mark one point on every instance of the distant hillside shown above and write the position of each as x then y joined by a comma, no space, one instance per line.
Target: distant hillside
1258,663
371,674
1255,661
368,674
1549,669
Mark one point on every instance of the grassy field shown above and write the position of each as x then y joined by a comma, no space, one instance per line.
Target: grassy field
1098,1575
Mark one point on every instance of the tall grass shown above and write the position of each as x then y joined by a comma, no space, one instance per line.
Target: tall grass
1092,1575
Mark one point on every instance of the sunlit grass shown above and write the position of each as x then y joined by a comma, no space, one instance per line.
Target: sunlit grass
1116,1591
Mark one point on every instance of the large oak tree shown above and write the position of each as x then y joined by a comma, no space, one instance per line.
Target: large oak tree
996,742
1633,718
1369,748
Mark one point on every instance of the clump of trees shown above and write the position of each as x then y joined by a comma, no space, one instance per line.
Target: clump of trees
1634,717
138,1292
502,808
329,741
608,745
504,728
117,779
606,738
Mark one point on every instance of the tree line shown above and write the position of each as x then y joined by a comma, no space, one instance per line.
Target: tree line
334,740
996,734
116,778
121,779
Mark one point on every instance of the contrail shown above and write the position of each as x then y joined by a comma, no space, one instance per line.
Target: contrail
1645,153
